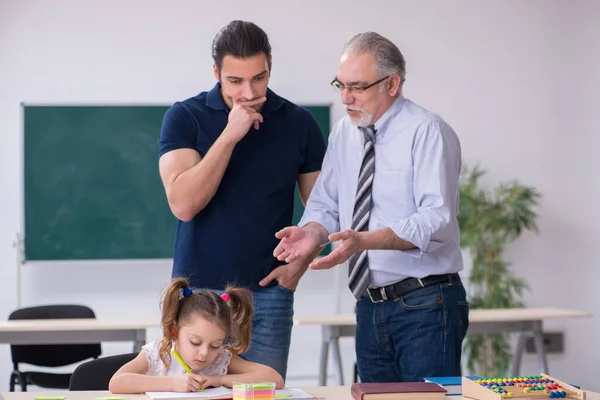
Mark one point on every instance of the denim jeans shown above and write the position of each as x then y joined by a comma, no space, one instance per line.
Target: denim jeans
271,327
418,335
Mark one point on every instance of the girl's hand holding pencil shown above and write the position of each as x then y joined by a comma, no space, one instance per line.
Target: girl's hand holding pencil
188,383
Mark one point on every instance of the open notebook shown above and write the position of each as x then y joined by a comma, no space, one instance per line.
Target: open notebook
224,393
211,393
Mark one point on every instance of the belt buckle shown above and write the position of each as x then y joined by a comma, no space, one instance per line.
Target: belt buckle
383,295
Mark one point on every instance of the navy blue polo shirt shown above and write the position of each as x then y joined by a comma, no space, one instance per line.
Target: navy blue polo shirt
231,241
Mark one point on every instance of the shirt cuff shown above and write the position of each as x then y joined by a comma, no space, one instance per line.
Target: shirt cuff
327,221
413,232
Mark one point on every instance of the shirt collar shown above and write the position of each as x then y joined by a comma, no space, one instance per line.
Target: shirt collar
388,116
214,100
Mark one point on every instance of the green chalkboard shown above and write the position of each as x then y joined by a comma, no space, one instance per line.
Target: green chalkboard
323,117
91,184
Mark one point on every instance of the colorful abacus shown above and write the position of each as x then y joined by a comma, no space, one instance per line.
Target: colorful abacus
530,384
542,386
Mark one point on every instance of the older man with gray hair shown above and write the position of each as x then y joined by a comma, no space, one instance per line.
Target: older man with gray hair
388,194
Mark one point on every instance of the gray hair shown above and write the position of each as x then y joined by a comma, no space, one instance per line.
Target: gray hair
388,58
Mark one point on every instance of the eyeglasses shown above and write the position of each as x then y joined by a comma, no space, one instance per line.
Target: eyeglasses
337,85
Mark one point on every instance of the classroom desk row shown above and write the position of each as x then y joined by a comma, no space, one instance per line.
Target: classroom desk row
333,327
525,321
320,392
70,331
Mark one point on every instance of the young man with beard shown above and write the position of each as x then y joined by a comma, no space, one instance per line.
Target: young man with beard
229,161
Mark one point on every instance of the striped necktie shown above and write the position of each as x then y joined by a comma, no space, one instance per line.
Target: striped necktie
358,271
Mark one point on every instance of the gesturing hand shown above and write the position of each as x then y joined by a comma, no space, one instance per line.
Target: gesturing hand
349,243
241,117
295,243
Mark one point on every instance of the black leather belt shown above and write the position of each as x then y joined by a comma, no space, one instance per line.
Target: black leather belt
395,290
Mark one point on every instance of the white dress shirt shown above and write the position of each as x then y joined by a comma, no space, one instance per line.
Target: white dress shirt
415,190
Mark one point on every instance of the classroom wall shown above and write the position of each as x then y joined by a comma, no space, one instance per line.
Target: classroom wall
517,80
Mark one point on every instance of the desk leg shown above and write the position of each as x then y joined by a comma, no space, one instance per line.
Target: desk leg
518,355
538,338
338,360
140,340
326,333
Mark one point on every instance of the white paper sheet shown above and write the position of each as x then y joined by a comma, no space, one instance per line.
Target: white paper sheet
207,393
285,394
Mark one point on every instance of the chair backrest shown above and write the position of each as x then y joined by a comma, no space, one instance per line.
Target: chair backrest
96,374
53,355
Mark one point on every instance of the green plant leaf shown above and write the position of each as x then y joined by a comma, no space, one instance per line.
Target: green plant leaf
490,219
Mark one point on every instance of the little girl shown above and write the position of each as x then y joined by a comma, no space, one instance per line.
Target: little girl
197,325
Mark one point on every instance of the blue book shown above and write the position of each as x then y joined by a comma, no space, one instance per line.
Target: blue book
452,384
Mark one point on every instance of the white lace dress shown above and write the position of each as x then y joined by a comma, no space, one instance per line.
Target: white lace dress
156,367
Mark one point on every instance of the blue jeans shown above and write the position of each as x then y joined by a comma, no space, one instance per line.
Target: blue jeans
418,335
271,327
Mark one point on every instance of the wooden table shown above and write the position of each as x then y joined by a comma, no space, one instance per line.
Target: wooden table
523,320
321,392
70,331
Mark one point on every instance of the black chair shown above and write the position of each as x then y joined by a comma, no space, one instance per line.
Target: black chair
96,374
49,355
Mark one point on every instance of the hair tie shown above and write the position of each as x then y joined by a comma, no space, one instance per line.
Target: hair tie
187,292
225,297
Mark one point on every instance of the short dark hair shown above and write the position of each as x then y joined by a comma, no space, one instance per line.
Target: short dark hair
240,39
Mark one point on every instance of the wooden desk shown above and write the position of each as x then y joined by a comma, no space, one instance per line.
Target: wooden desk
523,320
68,331
321,392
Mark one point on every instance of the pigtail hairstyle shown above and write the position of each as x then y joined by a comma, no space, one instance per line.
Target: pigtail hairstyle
170,315
241,305
232,311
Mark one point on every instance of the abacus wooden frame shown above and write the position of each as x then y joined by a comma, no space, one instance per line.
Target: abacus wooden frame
474,390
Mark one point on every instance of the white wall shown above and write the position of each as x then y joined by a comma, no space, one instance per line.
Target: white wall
517,80
562,262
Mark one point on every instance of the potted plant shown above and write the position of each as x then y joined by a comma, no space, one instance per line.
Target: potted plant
488,221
